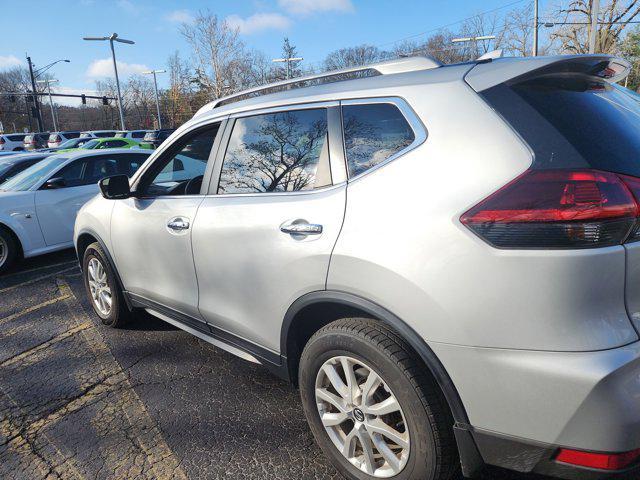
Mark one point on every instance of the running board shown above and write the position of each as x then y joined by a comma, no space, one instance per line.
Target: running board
203,336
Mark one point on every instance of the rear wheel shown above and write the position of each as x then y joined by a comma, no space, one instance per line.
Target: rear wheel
8,250
102,288
372,407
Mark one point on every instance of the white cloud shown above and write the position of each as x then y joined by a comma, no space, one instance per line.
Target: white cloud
307,7
179,16
104,68
258,22
10,61
128,6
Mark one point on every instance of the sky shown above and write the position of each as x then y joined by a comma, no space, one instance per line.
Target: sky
49,30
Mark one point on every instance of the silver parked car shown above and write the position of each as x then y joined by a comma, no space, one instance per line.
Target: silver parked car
444,259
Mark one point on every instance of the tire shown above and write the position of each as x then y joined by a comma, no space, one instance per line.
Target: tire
423,416
96,268
8,250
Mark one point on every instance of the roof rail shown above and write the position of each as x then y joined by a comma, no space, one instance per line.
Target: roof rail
389,67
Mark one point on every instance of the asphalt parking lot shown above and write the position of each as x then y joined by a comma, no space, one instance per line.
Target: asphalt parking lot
79,400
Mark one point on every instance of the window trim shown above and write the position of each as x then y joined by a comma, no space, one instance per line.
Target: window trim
337,163
420,132
169,149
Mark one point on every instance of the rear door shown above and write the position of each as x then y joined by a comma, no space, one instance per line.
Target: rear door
264,234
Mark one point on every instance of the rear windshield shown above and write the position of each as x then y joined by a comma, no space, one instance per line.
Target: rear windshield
573,122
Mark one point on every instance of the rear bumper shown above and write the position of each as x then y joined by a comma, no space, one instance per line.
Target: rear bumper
529,403
525,457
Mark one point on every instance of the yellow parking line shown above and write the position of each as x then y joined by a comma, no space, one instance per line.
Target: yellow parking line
33,308
34,280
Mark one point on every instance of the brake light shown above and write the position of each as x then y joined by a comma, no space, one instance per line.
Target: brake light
601,461
56,139
2,142
558,209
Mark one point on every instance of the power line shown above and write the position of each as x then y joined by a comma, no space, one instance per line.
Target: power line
394,42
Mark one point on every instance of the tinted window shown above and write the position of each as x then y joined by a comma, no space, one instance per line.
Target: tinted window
91,170
372,134
16,138
104,134
113,144
181,169
139,134
72,134
573,122
278,152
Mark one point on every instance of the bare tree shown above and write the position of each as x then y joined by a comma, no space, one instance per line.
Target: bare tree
219,55
613,21
353,57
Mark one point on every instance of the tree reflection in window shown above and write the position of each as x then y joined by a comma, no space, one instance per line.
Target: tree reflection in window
279,152
372,134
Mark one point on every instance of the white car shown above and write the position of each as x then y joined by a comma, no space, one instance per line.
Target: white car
12,142
137,135
97,134
58,138
38,206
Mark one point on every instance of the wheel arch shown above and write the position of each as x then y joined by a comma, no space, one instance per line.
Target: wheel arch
314,310
15,236
85,238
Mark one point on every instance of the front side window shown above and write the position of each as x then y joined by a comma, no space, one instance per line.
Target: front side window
372,134
181,169
277,152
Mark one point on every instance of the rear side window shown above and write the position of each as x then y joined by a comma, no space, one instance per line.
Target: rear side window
277,152
71,134
573,122
138,134
372,134
104,134
15,138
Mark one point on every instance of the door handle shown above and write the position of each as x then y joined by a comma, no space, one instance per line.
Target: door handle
302,228
178,224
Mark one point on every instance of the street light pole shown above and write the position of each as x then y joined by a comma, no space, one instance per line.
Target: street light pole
155,87
53,113
536,27
114,38
35,96
593,34
288,62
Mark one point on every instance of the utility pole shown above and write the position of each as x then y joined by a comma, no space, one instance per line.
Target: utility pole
114,37
536,27
155,86
593,34
35,96
288,62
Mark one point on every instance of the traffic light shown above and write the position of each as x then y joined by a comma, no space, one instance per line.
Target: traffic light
84,99
105,101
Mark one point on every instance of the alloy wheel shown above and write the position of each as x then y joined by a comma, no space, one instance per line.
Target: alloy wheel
4,251
362,417
99,286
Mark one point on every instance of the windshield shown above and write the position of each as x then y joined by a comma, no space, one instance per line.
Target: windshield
91,144
32,175
5,167
70,143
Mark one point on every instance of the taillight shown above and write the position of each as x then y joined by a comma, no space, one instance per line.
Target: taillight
2,142
601,461
56,139
558,209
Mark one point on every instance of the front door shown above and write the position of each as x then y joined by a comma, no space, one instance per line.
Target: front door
151,232
264,236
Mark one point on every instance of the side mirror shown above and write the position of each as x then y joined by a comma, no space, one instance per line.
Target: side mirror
54,183
115,187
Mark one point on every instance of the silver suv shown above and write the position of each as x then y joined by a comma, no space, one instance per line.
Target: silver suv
444,259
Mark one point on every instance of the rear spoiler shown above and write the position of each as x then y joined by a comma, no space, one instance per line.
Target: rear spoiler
512,70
